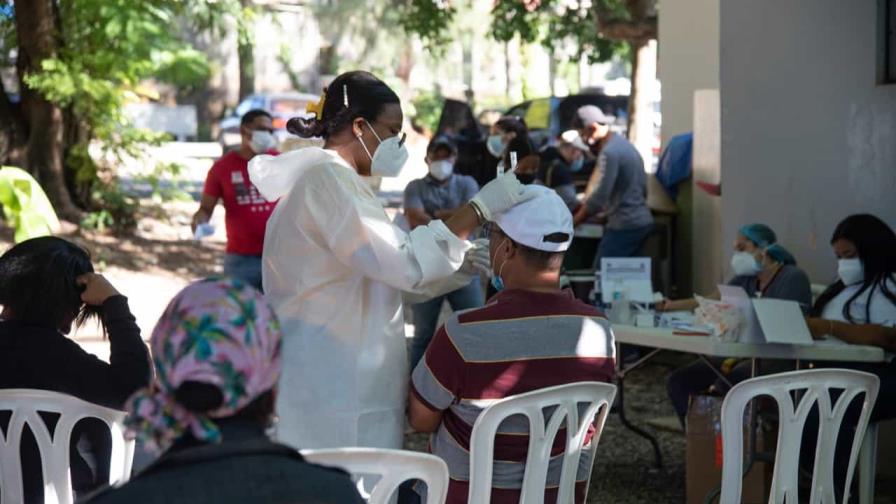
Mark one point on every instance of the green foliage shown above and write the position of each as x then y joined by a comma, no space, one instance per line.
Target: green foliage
429,19
106,48
565,28
558,26
426,109
184,68
25,206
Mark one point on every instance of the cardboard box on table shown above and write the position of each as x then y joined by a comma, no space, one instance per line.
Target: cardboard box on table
704,454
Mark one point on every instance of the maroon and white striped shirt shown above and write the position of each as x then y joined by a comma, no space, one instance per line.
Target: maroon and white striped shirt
519,342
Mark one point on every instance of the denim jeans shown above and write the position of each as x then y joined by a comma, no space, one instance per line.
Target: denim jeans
246,268
621,243
426,315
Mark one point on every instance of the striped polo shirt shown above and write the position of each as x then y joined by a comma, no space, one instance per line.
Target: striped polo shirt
520,341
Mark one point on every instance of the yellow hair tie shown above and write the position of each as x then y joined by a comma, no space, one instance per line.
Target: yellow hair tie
317,108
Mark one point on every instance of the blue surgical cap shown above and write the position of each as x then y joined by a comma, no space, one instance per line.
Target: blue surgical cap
760,234
780,254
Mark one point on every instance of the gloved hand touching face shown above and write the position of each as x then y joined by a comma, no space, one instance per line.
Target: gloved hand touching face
477,259
501,195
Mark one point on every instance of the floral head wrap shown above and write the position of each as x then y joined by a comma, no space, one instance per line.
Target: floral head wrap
217,331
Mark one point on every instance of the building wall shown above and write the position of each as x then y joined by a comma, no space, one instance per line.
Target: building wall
688,61
688,58
807,136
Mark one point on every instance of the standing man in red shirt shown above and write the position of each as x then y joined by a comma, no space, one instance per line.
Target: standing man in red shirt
246,211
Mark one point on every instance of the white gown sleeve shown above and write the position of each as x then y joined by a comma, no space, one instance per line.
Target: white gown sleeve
360,235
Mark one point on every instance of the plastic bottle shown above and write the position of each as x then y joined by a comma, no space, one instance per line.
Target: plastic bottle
624,308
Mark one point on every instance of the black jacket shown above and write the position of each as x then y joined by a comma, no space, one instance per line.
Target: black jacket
40,357
245,467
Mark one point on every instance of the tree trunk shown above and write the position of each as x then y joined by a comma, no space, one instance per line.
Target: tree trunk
37,37
246,55
12,131
640,102
639,29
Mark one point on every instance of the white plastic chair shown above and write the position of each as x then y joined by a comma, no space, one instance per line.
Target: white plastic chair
25,406
542,432
810,387
393,466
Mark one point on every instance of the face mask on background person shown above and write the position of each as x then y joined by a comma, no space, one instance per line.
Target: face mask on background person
441,170
526,178
851,271
389,157
744,264
495,145
577,164
262,141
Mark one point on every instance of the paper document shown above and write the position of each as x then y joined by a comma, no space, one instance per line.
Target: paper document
782,321
629,274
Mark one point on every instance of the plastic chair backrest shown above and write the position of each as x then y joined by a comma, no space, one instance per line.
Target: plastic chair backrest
542,431
393,466
811,387
25,406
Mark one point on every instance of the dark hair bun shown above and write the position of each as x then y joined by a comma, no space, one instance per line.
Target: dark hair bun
305,128
199,397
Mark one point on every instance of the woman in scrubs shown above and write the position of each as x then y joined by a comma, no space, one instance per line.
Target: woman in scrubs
335,267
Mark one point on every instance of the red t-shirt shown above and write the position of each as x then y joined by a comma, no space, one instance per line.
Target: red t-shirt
246,210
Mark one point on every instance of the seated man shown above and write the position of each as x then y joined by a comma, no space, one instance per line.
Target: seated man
531,335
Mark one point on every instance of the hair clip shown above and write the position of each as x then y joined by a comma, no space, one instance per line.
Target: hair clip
317,108
345,95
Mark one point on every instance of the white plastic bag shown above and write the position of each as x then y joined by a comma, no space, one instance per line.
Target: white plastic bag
726,320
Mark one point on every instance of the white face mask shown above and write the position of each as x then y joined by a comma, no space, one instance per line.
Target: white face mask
262,141
851,271
441,170
389,157
744,264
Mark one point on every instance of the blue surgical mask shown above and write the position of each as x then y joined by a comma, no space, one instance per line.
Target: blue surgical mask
495,145
496,280
497,283
577,164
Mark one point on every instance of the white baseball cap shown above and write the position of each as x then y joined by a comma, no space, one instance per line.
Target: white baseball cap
572,137
531,223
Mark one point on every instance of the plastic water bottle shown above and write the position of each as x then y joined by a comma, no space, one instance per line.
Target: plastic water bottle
624,309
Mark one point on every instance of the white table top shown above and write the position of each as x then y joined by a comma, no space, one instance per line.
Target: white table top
826,350
589,231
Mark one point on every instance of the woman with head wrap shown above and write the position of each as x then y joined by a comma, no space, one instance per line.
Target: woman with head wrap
763,268
216,352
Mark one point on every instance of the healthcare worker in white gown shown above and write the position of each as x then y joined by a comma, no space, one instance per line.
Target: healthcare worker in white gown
335,268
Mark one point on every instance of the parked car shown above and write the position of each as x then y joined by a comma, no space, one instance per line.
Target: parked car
282,106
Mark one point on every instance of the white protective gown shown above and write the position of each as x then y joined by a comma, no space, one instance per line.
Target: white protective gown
335,268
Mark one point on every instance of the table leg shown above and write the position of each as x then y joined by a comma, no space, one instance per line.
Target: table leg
620,396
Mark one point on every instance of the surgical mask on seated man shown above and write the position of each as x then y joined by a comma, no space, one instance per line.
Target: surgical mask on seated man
441,169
